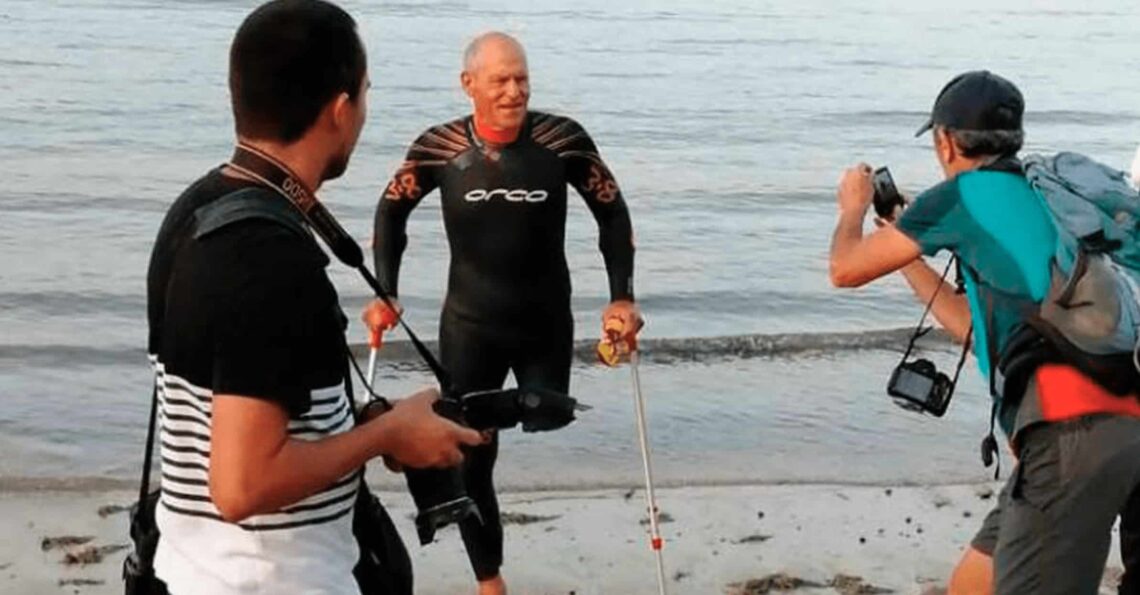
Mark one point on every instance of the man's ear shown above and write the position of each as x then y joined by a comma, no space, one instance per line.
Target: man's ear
340,113
945,146
467,81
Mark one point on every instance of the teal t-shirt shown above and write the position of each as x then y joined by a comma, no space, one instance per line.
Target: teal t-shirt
995,223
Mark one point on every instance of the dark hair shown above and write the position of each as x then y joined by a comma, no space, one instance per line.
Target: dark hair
288,60
983,143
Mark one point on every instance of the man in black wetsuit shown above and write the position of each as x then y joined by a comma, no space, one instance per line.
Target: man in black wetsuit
502,174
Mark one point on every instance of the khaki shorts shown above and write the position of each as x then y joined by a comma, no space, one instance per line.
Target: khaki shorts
1051,528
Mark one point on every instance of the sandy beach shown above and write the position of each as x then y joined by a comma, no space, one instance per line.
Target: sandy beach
736,540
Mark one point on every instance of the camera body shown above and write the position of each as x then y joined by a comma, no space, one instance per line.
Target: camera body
440,495
919,386
887,197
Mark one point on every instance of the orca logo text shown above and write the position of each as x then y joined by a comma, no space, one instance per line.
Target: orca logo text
520,195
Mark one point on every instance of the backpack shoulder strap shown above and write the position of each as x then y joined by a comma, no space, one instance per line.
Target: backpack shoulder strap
246,204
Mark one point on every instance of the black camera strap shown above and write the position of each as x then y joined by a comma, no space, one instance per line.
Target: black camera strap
989,446
962,357
262,167
144,484
920,330
990,451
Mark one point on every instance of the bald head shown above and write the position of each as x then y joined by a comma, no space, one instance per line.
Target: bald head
494,44
496,78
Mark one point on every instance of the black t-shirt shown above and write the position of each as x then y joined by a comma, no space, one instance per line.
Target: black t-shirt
247,309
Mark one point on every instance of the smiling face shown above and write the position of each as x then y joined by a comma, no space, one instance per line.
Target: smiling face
496,79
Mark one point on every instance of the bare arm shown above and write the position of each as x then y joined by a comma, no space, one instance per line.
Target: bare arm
951,309
256,468
855,259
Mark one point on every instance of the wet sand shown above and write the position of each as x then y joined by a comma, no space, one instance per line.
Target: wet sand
736,540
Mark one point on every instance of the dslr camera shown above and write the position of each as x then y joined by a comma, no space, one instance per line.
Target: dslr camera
919,386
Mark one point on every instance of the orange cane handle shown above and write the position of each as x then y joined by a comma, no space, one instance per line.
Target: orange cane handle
613,328
608,353
388,319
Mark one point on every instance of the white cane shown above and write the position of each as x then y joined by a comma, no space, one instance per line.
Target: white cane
655,540
388,318
375,338
608,351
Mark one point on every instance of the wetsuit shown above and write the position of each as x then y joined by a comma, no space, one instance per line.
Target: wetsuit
508,295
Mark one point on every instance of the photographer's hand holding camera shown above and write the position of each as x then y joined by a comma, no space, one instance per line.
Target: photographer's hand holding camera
857,260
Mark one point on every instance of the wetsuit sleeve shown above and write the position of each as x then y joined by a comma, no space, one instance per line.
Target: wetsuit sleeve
936,220
588,174
416,177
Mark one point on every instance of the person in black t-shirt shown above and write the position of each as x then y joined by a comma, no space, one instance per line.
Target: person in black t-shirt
502,173
260,457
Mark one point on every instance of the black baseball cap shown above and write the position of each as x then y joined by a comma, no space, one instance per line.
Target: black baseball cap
977,100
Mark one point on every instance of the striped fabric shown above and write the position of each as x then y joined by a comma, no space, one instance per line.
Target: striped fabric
293,545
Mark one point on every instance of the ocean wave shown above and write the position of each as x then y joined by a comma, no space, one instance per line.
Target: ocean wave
1086,118
746,301
665,350
680,349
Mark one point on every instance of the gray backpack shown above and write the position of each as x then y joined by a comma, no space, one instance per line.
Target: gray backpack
1090,317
